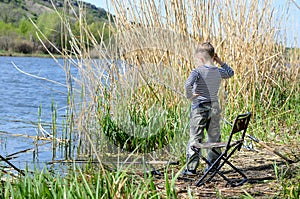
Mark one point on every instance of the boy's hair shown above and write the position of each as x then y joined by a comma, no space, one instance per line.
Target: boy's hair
206,47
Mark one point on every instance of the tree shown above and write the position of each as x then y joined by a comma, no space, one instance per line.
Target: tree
10,13
26,28
50,26
100,29
7,35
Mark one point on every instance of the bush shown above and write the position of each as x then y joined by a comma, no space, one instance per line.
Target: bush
23,47
5,43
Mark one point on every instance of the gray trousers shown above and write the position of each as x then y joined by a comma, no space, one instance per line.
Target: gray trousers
205,117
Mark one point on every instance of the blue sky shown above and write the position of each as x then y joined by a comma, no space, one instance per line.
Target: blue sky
291,26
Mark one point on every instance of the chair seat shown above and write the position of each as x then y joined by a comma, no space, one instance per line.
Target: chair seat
210,145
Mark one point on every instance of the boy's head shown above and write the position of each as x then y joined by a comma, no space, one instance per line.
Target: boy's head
204,54
206,47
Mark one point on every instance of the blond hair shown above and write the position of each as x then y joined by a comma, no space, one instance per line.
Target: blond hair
206,47
204,54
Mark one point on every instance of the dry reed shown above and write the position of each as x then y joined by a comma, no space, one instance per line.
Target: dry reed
246,35
149,54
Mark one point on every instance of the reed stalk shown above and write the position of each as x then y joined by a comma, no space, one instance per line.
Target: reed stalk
136,86
154,36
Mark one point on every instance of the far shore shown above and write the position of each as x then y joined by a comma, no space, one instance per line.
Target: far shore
41,55
14,54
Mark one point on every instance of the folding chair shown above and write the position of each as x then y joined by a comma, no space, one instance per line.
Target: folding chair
234,143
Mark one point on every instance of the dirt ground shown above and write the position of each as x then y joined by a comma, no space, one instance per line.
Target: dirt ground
259,167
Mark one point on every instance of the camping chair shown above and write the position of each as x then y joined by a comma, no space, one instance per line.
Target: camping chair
234,143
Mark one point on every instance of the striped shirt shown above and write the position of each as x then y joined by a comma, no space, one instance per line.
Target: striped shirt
205,82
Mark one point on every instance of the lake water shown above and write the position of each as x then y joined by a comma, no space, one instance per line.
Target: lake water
21,97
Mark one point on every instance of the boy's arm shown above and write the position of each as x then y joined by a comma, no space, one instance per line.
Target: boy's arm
225,70
189,85
217,59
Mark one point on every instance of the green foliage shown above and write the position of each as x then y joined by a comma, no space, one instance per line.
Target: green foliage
6,27
18,33
155,138
275,114
97,28
289,179
50,25
8,36
11,12
26,28
79,184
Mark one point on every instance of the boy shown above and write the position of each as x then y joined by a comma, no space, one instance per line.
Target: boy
202,88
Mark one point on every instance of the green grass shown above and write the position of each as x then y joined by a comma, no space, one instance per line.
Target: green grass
82,184
288,179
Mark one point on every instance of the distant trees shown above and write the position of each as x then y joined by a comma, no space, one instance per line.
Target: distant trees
18,37
50,25
18,33
10,13
8,34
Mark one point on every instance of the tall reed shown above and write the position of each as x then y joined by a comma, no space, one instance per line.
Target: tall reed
161,35
246,35
135,87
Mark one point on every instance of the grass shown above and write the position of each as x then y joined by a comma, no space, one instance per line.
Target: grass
288,179
88,184
93,182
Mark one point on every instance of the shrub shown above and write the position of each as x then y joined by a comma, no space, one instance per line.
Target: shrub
23,47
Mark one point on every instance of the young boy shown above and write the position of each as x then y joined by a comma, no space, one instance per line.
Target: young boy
202,88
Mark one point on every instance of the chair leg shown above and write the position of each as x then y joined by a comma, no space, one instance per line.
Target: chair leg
225,161
213,170
202,180
240,182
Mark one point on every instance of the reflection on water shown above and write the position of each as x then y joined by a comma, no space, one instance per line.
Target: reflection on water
21,97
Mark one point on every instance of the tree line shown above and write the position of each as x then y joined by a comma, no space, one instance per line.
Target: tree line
18,33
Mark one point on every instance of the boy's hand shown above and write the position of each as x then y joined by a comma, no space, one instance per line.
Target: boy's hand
217,59
194,95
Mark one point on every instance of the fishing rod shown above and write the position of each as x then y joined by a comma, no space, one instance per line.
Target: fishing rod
261,143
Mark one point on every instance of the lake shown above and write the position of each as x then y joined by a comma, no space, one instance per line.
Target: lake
21,97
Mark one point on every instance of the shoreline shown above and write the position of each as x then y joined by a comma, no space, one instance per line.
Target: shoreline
13,54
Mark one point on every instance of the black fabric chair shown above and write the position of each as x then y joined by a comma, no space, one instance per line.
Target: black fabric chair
234,143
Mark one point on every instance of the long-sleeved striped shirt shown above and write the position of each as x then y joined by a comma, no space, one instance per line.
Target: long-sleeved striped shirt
204,81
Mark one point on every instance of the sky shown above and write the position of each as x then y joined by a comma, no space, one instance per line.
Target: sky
292,25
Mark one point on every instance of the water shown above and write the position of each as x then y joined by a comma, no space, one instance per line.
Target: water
21,97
